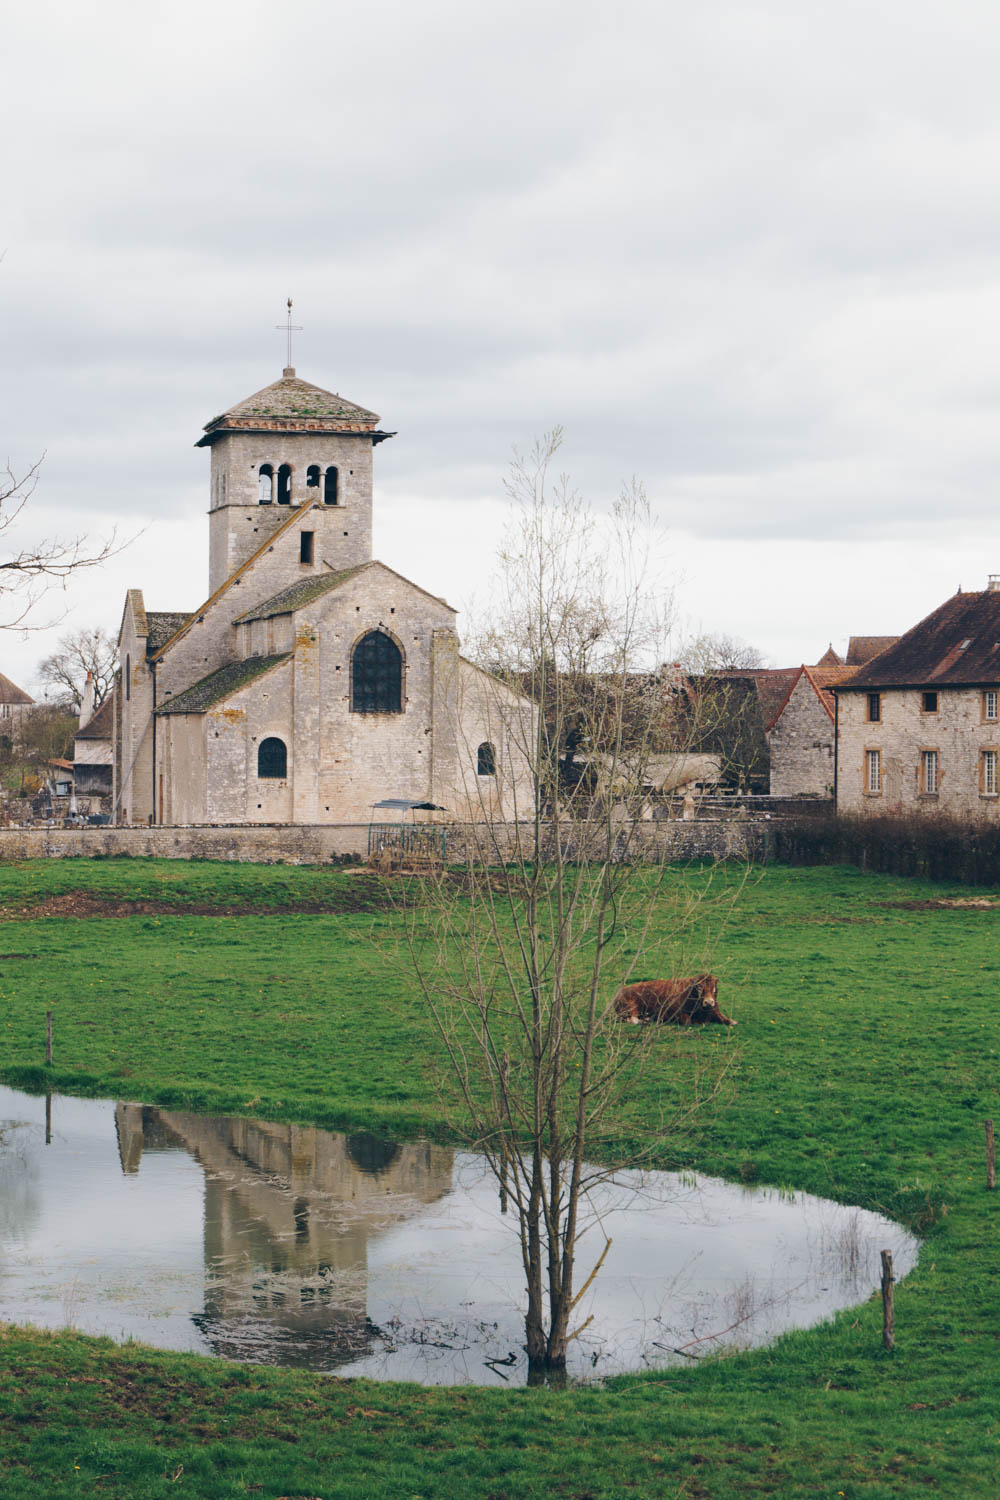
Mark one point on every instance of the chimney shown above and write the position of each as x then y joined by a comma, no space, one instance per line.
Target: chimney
87,705
994,584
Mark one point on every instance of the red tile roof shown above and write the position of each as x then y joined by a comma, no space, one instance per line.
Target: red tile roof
957,645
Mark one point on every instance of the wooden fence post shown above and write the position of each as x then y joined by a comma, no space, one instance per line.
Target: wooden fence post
888,1318
991,1157
48,1036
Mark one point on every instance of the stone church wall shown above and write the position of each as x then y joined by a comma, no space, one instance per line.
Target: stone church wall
237,527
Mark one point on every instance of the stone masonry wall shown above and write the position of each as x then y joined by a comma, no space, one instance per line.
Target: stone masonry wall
801,744
319,844
958,732
238,524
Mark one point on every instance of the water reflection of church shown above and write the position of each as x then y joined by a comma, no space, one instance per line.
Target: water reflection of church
289,1211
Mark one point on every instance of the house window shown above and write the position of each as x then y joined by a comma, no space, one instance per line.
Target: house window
874,708
486,760
272,759
991,703
330,496
873,771
988,773
928,773
377,675
929,703
306,546
265,485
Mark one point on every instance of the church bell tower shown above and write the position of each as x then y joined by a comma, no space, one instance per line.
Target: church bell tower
291,444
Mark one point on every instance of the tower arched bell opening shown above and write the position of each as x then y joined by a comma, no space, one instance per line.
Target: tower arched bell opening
265,485
285,484
331,487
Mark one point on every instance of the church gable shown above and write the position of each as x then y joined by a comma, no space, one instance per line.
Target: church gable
208,640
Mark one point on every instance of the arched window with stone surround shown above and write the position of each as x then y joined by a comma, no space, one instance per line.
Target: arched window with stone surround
330,487
265,485
377,675
285,484
272,759
486,760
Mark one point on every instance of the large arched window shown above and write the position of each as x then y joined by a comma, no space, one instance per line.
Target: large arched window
377,675
272,759
486,760
330,496
285,484
265,485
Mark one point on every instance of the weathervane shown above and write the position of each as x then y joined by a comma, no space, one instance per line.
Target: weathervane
289,328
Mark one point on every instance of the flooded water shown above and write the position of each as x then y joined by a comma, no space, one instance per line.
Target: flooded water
287,1245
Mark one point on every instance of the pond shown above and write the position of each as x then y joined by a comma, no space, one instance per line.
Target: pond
288,1245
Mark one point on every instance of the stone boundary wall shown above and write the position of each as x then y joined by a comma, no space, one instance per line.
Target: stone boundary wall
318,844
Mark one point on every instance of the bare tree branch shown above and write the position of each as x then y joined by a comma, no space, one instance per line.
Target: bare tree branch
28,572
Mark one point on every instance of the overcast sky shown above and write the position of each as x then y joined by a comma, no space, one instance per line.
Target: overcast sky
746,252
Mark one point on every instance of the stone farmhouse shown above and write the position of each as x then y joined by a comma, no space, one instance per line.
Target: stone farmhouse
15,703
918,727
313,681
790,741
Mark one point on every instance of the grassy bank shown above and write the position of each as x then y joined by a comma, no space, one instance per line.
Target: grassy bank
868,1053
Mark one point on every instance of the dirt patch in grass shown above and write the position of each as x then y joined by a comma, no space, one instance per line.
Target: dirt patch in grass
366,893
946,903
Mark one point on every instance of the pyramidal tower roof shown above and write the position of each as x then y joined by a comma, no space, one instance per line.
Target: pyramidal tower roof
293,405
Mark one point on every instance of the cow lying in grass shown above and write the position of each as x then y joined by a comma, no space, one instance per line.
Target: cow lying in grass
676,1002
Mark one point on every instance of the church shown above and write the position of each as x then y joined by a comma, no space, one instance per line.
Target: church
313,682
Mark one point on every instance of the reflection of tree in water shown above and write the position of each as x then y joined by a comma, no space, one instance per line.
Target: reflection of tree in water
288,1213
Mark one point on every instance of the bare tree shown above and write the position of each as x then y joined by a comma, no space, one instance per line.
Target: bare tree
45,734
520,953
721,653
91,650
29,571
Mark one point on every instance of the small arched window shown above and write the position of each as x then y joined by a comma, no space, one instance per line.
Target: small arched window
330,496
486,760
265,485
285,484
272,759
377,675
312,477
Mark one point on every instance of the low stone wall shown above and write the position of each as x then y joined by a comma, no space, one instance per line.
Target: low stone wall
318,844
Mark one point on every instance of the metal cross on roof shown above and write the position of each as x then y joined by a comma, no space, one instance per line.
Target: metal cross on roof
289,328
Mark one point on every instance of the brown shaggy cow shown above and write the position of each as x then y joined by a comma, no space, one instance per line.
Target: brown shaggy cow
678,1002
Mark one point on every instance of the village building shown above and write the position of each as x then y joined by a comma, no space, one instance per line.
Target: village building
801,736
15,704
93,754
313,681
918,727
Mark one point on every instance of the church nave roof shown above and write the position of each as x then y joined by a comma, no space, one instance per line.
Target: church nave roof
212,689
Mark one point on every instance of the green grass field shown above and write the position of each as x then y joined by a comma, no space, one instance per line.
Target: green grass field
867,1062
